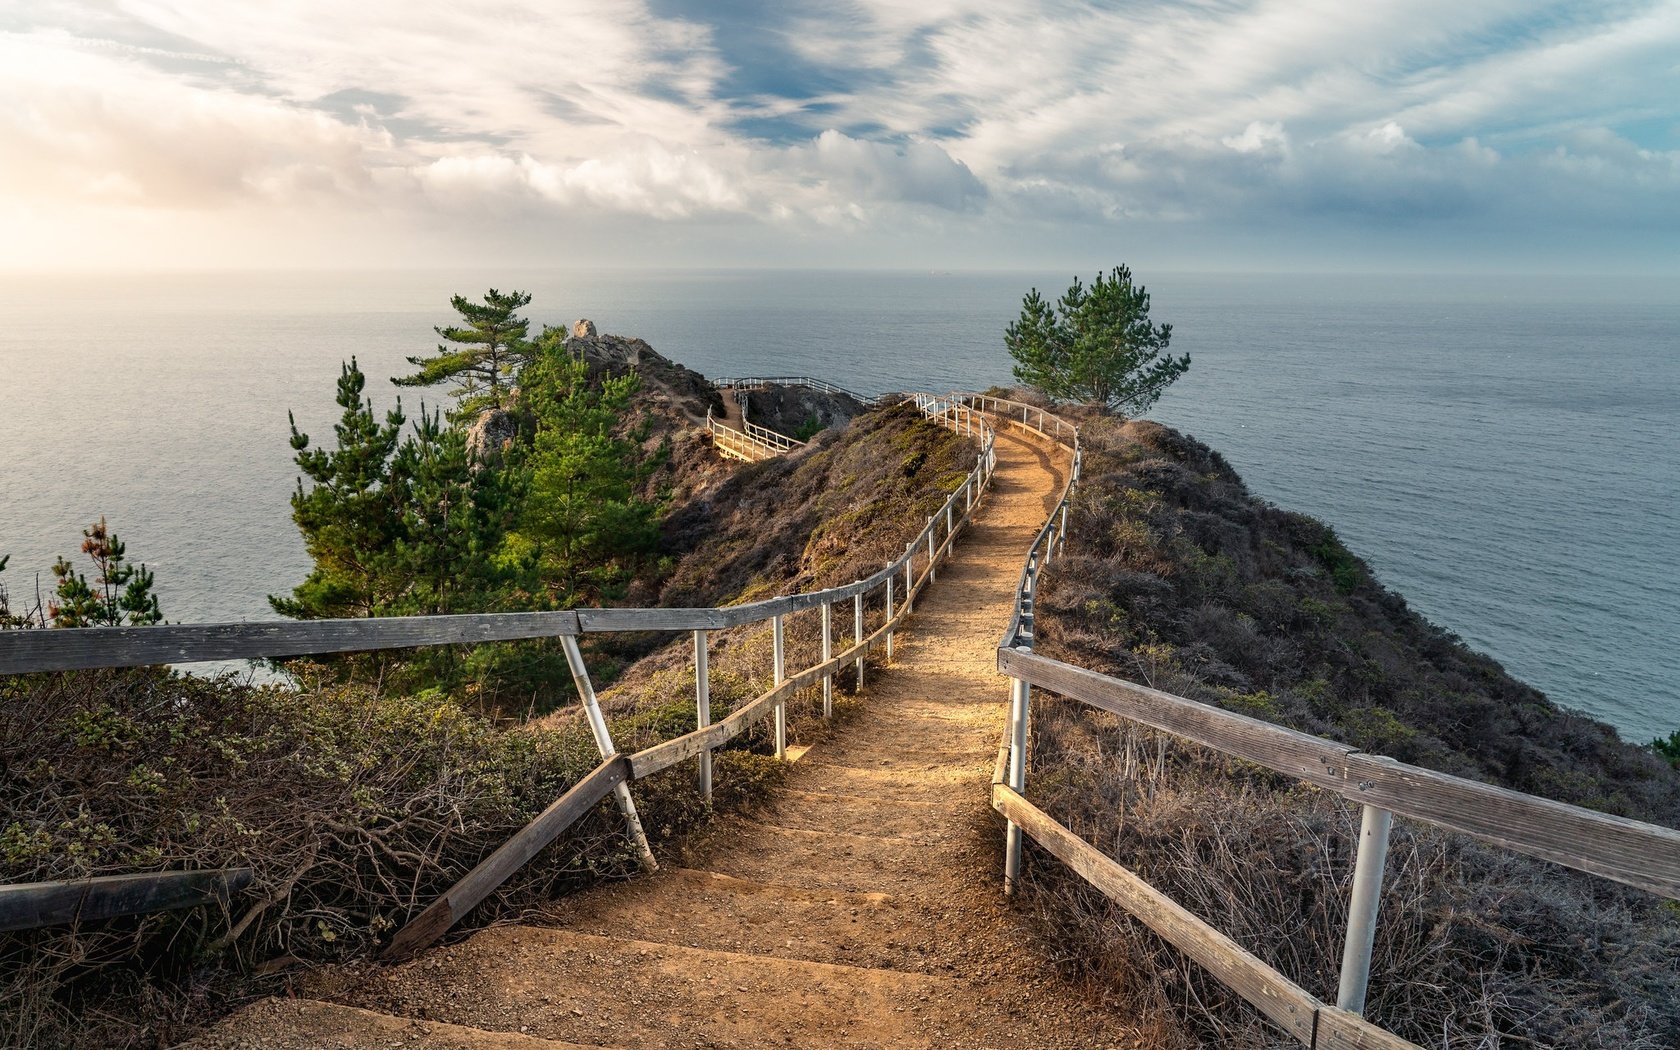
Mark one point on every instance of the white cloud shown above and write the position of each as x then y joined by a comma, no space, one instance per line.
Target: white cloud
929,116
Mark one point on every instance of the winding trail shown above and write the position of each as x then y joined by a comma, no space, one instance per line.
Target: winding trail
862,908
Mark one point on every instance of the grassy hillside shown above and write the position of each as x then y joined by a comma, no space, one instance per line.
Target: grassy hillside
1176,577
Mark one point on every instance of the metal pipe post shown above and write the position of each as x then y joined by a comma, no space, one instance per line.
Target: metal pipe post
1018,700
857,632
828,654
703,711
889,616
1374,825
604,744
909,574
781,703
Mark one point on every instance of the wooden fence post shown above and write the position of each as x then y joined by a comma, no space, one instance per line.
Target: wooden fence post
603,743
703,710
909,574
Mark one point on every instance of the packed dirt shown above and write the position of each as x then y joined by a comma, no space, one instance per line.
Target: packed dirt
862,907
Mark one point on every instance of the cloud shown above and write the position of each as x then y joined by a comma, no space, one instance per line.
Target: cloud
873,117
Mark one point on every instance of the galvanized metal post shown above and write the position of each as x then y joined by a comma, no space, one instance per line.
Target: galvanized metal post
909,574
604,744
781,703
857,632
703,710
889,617
1374,825
828,654
1018,701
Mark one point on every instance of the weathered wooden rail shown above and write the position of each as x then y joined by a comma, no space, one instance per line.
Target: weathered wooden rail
764,382
33,651
1642,855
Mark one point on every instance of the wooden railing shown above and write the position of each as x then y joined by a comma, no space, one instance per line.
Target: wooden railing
762,382
1631,852
31,651
740,444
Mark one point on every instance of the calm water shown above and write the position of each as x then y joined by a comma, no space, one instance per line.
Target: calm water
1501,450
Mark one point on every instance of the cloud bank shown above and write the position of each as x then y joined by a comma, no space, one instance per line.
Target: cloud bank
859,127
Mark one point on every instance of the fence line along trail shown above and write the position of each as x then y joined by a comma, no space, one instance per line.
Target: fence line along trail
861,909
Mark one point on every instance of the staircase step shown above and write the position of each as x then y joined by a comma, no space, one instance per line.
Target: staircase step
563,985
971,785
830,860
707,909
815,811
307,1024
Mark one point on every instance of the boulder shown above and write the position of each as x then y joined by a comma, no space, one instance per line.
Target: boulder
584,329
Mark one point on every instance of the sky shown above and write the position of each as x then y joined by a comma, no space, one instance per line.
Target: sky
1219,135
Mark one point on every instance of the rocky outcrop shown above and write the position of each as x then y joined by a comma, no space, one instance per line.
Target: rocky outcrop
490,434
798,410
664,381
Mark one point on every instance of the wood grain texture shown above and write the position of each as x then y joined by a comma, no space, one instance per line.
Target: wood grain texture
508,858
1285,1003
85,647
1310,758
1637,854
1340,1030
26,906
1642,855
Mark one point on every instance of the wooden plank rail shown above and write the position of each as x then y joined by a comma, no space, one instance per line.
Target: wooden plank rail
1288,1005
512,855
90,647
28,905
1642,855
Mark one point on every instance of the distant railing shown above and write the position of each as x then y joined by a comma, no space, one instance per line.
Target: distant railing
763,382
22,906
1637,854
752,444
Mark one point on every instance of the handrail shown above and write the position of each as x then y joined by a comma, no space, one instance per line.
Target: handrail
55,650
761,382
1645,856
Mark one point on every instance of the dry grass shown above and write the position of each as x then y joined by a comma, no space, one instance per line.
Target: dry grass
1177,578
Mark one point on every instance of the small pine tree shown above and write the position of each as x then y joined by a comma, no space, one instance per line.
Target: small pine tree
581,522
1095,345
118,593
490,347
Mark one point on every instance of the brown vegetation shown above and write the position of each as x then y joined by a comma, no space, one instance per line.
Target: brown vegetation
1176,577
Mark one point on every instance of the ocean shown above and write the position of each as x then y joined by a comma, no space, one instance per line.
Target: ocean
1502,450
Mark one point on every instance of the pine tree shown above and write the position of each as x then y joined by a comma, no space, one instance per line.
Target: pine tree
581,521
490,347
1097,346
119,592
351,517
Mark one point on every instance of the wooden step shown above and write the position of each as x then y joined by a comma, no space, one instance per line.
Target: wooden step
852,814
570,986
831,860
707,909
307,1024
970,786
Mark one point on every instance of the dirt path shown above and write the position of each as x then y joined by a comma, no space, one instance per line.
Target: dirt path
862,909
